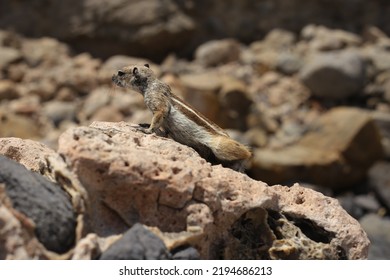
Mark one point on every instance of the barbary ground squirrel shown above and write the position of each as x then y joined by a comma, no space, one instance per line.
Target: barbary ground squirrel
180,121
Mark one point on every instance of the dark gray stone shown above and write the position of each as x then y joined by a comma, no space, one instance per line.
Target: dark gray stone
347,201
334,75
288,63
378,231
359,205
58,111
43,202
138,243
382,120
368,202
189,253
379,176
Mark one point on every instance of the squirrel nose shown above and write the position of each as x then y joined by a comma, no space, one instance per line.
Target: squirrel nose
121,73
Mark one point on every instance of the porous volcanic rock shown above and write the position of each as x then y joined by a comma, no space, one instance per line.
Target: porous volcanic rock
131,177
32,154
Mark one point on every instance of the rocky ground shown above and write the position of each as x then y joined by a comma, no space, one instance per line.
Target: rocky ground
314,107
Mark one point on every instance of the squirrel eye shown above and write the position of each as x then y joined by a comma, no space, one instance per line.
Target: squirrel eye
121,73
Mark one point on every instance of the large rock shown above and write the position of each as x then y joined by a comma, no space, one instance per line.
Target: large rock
334,75
131,25
334,152
154,28
131,177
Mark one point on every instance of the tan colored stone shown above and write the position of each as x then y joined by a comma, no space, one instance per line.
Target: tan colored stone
8,56
33,155
217,52
95,100
201,91
8,90
26,105
87,248
15,125
221,98
235,102
335,152
276,39
373,34
107,113
131,177
91,246
44,50
324,39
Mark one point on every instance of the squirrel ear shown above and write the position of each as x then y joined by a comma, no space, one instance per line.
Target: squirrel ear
147,65
135,71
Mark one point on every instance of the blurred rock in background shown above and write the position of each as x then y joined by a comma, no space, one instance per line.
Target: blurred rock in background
155,28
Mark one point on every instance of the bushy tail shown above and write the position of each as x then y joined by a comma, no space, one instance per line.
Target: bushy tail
226,149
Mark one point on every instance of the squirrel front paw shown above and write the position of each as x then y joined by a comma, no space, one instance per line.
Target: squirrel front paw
144,125
145,130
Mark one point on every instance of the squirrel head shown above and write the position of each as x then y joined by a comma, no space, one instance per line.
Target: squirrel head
134,76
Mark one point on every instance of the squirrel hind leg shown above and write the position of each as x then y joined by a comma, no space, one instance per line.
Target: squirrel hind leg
237,165
208,154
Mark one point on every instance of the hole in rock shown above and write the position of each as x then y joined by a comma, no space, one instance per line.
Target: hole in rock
311,230
176,170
